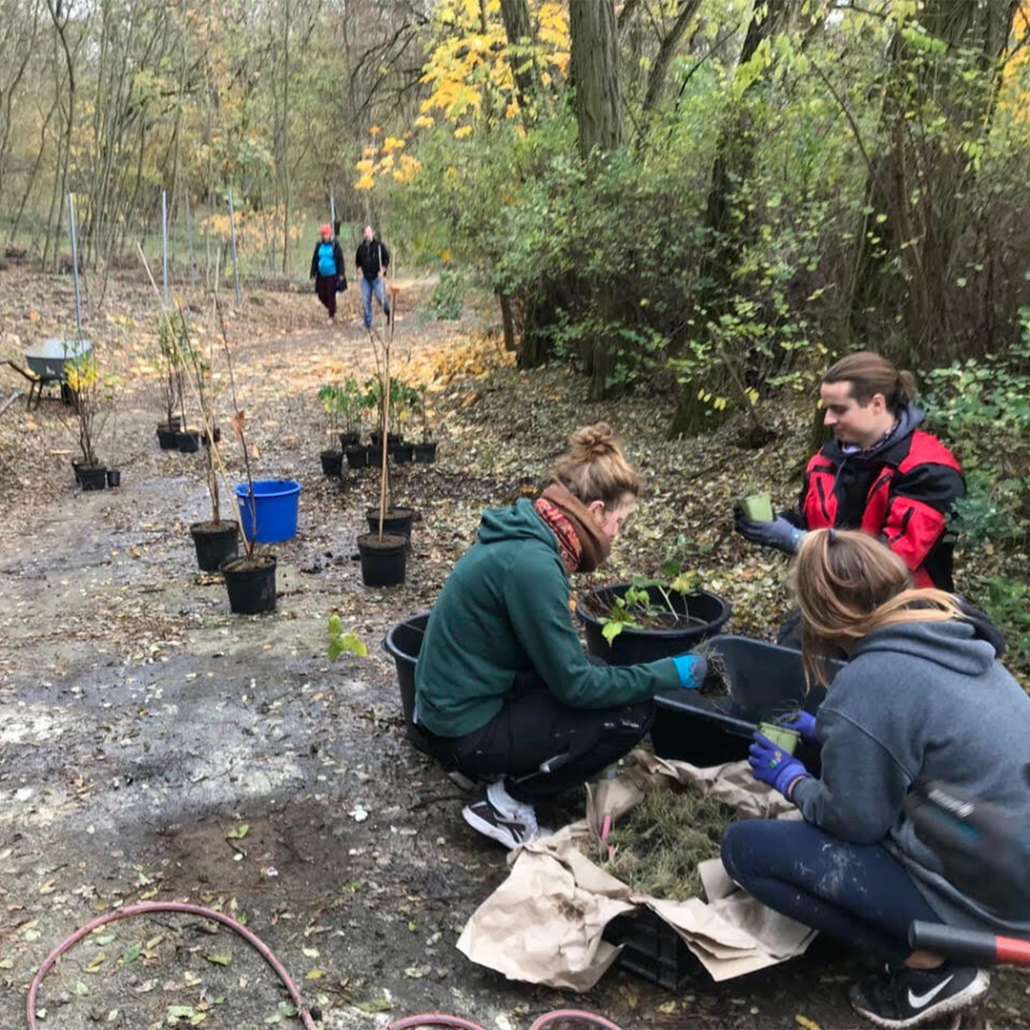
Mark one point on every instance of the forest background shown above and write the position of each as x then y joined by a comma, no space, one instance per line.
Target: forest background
702,200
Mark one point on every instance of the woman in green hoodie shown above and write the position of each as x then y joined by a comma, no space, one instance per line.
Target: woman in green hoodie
922,700
503,690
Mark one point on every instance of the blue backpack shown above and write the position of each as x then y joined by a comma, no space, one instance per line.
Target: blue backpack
326,261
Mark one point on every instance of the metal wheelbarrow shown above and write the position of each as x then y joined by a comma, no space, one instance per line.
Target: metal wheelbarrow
46,362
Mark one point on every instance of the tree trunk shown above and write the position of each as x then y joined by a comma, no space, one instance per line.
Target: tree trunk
519,30
666,52
921,181
595,71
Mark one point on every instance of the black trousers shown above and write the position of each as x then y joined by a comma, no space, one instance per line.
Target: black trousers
325,287
534,727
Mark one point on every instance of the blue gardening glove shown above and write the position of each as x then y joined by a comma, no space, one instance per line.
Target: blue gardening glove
772,765
692,669
779,533
801,722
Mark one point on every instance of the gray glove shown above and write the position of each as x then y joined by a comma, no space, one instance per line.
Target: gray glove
779,533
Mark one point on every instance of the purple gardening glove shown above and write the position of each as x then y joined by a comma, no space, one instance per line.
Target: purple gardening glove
772,765
801,722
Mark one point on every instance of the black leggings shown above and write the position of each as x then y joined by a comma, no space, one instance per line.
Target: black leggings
857,893
325,287
534,726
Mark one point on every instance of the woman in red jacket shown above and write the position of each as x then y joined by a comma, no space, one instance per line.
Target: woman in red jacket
880,473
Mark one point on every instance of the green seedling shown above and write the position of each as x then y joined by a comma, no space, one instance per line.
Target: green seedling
340,641
647,604
758,507
783,737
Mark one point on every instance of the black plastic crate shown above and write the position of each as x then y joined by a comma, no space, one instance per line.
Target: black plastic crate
652,949
765,681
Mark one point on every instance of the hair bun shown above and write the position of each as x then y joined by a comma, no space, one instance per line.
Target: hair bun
594,441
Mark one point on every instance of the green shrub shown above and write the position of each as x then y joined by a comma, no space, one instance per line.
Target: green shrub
445,303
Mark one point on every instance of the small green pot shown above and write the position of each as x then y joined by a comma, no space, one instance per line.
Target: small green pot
758,507
785,739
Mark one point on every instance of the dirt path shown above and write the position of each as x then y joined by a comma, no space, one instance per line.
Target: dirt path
142,727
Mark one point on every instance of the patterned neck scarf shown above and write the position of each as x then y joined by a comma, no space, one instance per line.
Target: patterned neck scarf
582,543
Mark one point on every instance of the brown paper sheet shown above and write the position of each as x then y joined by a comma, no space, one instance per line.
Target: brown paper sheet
544,923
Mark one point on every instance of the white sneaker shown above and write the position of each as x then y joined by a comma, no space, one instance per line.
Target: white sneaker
497,815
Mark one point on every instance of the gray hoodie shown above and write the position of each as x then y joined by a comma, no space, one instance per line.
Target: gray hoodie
917,702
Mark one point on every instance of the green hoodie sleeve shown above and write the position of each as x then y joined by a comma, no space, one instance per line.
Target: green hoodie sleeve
536,593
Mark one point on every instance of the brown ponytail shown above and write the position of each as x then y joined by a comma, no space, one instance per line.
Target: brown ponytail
594,468
848,584
870,374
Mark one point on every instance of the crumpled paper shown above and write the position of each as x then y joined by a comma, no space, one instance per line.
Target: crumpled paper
544,923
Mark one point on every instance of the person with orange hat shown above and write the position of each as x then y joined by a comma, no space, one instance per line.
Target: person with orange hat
327,269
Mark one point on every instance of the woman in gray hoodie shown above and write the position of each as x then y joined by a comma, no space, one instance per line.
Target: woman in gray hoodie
922,699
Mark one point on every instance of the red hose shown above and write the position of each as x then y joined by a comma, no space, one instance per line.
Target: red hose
146,907
583,1017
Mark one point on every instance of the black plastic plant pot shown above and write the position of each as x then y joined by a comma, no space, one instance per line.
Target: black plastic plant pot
332,462
654,950
215,542
425,453
403,643
706,615
77,464
251,583
167,438
383,561
392,439
357,456
216,433
374,456
188,441
114,477
92,477
397,522
349,439
402,453
765,682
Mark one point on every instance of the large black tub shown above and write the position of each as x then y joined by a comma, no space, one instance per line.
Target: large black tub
403,642
765,682
708,613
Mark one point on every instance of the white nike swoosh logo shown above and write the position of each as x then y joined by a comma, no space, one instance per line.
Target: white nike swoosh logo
918,1001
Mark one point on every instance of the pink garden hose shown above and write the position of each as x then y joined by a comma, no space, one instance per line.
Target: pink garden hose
149,907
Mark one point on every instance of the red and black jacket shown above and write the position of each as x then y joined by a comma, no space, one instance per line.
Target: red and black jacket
900,492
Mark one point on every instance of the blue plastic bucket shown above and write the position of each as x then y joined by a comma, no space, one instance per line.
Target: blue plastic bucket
274,508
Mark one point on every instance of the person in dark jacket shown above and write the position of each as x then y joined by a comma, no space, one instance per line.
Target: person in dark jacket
328,271
502,686
880,473
923,699
373,259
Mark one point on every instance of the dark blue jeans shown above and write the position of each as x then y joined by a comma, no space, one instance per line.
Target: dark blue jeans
369,288
857,893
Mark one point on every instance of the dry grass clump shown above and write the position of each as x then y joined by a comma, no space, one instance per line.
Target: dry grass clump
659,844
717,679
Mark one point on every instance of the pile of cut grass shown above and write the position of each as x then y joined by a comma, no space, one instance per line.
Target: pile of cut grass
660,842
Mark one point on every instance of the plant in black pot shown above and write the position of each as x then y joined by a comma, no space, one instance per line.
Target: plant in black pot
403,403
249,578
425,451
331,458
216,540
351,401
383,555
650,618
171,382
92,396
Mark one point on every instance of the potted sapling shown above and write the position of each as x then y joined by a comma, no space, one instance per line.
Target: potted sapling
403,401
383,550
424,452
171,383
650,618
92,399
331,458
216,539
250,577
350,411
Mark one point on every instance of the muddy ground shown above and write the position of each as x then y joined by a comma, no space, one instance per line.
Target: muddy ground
155,747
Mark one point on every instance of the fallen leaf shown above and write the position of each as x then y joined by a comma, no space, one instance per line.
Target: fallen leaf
808,1024
314,974
239,832
219,960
